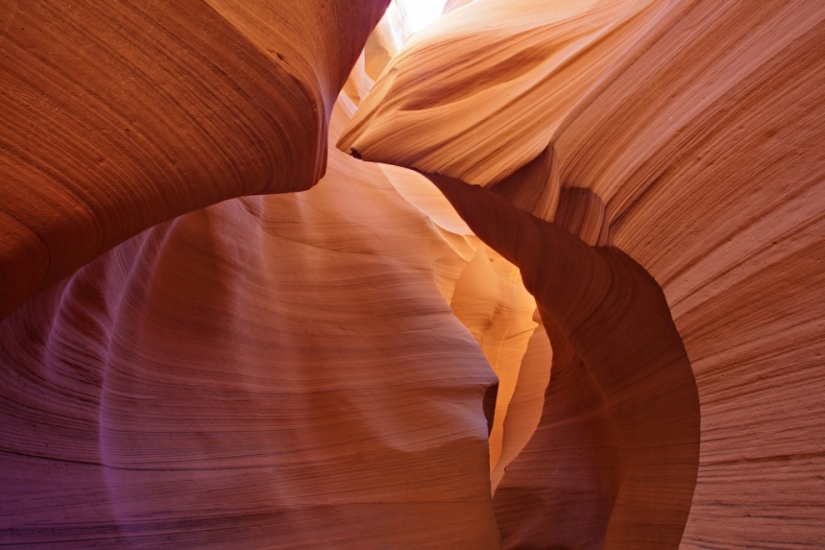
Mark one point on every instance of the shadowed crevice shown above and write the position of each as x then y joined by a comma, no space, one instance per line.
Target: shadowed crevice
489,406
614,461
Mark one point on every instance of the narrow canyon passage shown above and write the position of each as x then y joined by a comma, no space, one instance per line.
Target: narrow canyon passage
613,463
544,274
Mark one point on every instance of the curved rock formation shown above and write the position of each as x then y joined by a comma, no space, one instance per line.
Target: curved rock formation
118,116
262,373
494,76
614,461
190,359
687,135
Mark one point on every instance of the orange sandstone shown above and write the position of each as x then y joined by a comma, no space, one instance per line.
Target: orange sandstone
613,340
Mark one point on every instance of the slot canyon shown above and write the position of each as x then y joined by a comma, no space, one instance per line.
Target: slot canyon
540,275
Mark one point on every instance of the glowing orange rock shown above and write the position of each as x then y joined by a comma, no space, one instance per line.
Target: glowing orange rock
263,372
317,369
687,135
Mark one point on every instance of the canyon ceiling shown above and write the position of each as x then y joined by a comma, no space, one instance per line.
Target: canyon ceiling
547,274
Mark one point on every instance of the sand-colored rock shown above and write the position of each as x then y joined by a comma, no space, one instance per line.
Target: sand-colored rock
285,371
697,151
616,398
262,373
493,76
189,360
120,115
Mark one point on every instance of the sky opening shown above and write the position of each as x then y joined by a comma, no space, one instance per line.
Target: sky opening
421,13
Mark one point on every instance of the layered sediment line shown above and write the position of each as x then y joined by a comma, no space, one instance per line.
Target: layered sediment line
189,360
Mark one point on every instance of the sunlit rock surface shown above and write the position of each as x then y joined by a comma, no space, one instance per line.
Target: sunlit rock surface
598,325
689,136
264,372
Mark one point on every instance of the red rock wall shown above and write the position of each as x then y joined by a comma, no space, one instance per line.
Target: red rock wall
614,461
689,137
121,115
317,369
272,371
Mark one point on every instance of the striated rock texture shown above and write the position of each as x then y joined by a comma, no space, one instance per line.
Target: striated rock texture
121,115
688,137
615,458
268,372
597,325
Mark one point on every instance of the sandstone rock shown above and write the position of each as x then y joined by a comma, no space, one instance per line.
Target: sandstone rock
688,137
118,116
272,371
627,202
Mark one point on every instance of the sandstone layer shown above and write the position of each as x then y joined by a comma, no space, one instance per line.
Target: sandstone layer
121,115
574,301
686,137
262,373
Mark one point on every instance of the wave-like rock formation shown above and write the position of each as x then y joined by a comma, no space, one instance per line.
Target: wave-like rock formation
574,302
272,371
616,455
683,141
121,115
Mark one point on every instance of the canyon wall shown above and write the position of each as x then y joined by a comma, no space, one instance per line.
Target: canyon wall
688,137
572,299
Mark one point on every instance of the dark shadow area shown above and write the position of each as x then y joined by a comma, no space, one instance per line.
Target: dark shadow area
614,461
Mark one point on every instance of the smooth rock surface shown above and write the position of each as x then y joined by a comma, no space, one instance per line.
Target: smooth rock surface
598,325
272,371
694,146
120,115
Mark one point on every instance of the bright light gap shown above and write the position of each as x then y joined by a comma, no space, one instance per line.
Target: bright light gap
421,13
